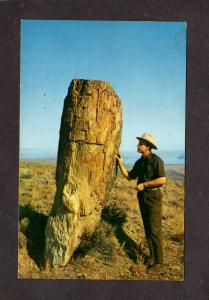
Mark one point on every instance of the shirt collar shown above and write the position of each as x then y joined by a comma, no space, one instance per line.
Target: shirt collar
149,157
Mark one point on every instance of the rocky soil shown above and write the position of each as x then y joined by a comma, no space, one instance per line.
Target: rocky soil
117,247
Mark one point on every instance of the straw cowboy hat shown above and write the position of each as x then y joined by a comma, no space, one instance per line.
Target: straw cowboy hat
149,138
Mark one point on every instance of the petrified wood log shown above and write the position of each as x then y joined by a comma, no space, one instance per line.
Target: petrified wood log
90,136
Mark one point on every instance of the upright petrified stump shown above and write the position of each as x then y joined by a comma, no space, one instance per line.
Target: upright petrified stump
90,136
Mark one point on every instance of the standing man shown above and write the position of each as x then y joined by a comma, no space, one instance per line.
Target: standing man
150,174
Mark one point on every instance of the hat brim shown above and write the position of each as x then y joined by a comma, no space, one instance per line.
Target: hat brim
151,144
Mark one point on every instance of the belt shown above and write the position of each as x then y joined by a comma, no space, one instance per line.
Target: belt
154,188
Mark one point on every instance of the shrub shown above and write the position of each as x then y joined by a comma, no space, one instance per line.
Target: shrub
114,215
27,175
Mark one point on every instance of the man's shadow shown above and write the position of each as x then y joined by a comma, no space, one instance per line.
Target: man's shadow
35,233
117,217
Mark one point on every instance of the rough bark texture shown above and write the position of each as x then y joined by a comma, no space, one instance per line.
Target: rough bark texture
90,135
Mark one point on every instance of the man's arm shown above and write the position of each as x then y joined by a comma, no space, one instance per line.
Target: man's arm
155,182
152,183
122,167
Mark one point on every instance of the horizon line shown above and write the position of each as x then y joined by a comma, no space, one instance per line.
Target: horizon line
122,150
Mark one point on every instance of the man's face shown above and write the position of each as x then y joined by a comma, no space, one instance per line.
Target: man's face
141,147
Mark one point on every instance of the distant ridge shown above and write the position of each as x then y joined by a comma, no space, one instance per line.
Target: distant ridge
42,161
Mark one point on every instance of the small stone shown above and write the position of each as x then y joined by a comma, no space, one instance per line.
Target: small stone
24,224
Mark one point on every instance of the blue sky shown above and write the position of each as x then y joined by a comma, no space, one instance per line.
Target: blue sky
145,62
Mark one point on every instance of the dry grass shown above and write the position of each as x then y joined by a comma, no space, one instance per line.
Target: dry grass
116,249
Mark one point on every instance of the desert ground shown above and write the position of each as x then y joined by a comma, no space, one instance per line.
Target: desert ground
116,249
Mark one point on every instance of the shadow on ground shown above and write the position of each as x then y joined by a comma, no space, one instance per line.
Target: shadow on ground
33,224
34,230
117,217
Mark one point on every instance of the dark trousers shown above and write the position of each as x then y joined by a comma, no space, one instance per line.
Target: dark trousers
150,203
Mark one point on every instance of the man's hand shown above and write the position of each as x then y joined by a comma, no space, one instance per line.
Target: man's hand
119,158
121,165
140,187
